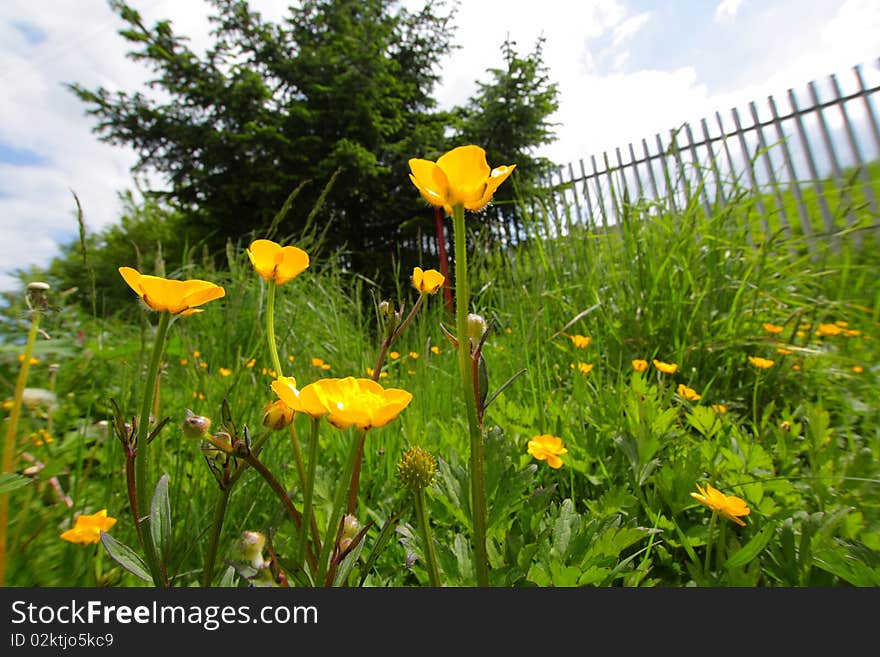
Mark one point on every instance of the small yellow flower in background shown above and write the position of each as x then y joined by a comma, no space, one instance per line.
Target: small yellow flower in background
319,362
198,395
184,362
291,358
508,330
225,372
87,528
435,350
41,437
250,363
394,355
197,353
829,330
583,368
858,369
729,506
428,281
414,355
275,262
721,409
688,393
796,367
761,363
411,372
801,334
580,341
783,351
841,323
7,404
851,333
547,448
175,297
460,177
32,361
806,326
203,365
666,368
773,329
640,365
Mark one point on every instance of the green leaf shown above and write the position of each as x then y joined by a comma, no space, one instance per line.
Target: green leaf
160,520
751,549
347,564
228,579
10,481
126,557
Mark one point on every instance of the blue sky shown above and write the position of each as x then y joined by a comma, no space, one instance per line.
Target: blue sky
626,69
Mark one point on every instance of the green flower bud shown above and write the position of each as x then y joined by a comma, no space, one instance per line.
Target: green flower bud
195,426
417,469
476,326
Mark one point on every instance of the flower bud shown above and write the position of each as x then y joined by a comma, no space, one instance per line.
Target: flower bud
251,546
277,415
417,469
195,426
476,326
350,528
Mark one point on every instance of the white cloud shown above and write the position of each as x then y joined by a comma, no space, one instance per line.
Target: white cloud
629,27
727,10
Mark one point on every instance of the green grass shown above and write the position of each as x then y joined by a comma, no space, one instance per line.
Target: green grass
800,442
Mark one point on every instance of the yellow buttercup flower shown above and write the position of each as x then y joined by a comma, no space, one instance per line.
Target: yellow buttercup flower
275,262
300,400
175,297
773,329
829,330
460,177
583,368
225,371
761,363
640,365
87,528
427,282
394,355
547,448
414,355
729,506
580,341
688,393
362,403
666,368
277,414
721,409
435,350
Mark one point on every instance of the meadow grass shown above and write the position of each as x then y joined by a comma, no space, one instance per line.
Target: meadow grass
799,442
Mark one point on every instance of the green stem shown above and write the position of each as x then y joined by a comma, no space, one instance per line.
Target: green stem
270,330
142,456
430,554
478,496
216,528
709,542
282,495
308,489
11,430
338,502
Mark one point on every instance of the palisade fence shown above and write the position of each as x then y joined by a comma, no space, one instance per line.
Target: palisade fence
811,162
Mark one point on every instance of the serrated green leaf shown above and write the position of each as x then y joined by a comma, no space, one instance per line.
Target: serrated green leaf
125,557
10,481
160,520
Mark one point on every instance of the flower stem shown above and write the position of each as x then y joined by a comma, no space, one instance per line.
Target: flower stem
478,495
338,501
11,430
430,554
308,489
142,456
709,542
216,528
270,330
282,495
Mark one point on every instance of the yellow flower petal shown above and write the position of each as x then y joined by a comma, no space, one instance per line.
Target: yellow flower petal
427,282
175,297
275,262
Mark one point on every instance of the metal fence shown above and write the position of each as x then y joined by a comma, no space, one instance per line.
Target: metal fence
811,162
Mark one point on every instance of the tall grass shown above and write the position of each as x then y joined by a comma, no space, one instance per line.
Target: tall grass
799,442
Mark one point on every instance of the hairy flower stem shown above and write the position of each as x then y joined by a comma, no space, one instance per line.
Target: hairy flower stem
427,541
462,301
213,541
709,542
142,455
11,429
270,330
308,489
338,502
